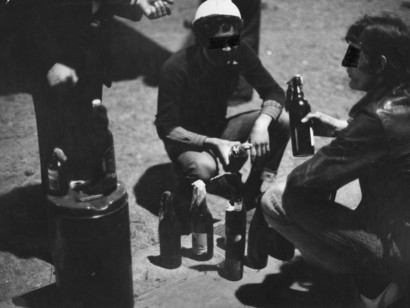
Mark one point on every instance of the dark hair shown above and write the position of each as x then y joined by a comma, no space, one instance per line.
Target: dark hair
356,29
387,36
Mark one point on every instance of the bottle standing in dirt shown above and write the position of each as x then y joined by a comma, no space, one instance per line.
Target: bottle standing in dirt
238,157
105,180
169,230
201,224
235,238
257,250
279,247
57,174
298,107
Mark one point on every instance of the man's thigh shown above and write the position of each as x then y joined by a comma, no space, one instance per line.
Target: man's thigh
194,165
239,127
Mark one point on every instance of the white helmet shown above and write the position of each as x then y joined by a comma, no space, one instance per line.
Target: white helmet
212,11
216,7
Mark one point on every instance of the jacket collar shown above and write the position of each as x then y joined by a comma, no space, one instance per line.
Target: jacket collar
378,91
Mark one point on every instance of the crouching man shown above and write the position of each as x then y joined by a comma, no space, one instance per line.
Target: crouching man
195,85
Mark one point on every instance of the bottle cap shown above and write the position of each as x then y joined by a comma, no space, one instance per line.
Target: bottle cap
96,102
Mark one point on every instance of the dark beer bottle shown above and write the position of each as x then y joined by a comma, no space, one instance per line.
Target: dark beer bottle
235,238
169,230
202,224
257,251
279,247
57,174
238,157
298,107
105,177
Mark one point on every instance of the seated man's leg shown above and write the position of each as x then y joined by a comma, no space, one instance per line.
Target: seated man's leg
328,235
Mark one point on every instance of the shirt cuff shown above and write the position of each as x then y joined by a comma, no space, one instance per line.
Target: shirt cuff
272,109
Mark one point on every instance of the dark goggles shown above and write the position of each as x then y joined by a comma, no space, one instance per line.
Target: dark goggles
352,56
222,42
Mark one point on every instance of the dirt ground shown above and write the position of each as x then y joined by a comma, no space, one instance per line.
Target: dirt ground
304,37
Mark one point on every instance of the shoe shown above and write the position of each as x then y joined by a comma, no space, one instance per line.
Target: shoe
389,296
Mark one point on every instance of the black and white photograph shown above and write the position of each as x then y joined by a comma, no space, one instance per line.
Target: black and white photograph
205,153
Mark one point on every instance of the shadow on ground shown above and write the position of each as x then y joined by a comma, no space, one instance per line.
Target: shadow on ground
23,223
45,297
298,285
152,184
133,55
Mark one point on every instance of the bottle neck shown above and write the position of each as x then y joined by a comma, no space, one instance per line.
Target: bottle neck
299,92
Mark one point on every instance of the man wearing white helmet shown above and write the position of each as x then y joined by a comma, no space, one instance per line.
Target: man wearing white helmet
195,85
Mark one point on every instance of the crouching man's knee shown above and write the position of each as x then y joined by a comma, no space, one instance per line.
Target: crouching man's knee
271,204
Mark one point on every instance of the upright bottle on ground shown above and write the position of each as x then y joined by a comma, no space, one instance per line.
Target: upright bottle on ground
298,107
257,251
202,223
169,230
235,239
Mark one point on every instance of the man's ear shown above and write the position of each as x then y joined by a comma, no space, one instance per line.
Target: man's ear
383,63
379,65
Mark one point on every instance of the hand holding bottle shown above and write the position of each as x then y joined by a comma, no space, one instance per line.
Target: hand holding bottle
221,147
61,75
324,125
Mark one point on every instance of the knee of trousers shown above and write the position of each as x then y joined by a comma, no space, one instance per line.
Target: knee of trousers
203,169
271,204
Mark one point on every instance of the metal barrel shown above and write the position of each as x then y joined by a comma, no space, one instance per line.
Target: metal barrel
91,248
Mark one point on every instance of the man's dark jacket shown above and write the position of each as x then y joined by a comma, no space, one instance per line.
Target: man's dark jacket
374,148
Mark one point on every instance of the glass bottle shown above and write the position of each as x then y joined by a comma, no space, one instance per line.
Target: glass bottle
201,224
258,243
104,180
298,107
238,157
57,174
169,231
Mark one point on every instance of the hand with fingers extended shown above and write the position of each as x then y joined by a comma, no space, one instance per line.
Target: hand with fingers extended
324,125
221,147
61,75
259,137
154,9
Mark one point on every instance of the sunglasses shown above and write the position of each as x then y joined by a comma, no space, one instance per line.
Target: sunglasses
222,42
351,58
